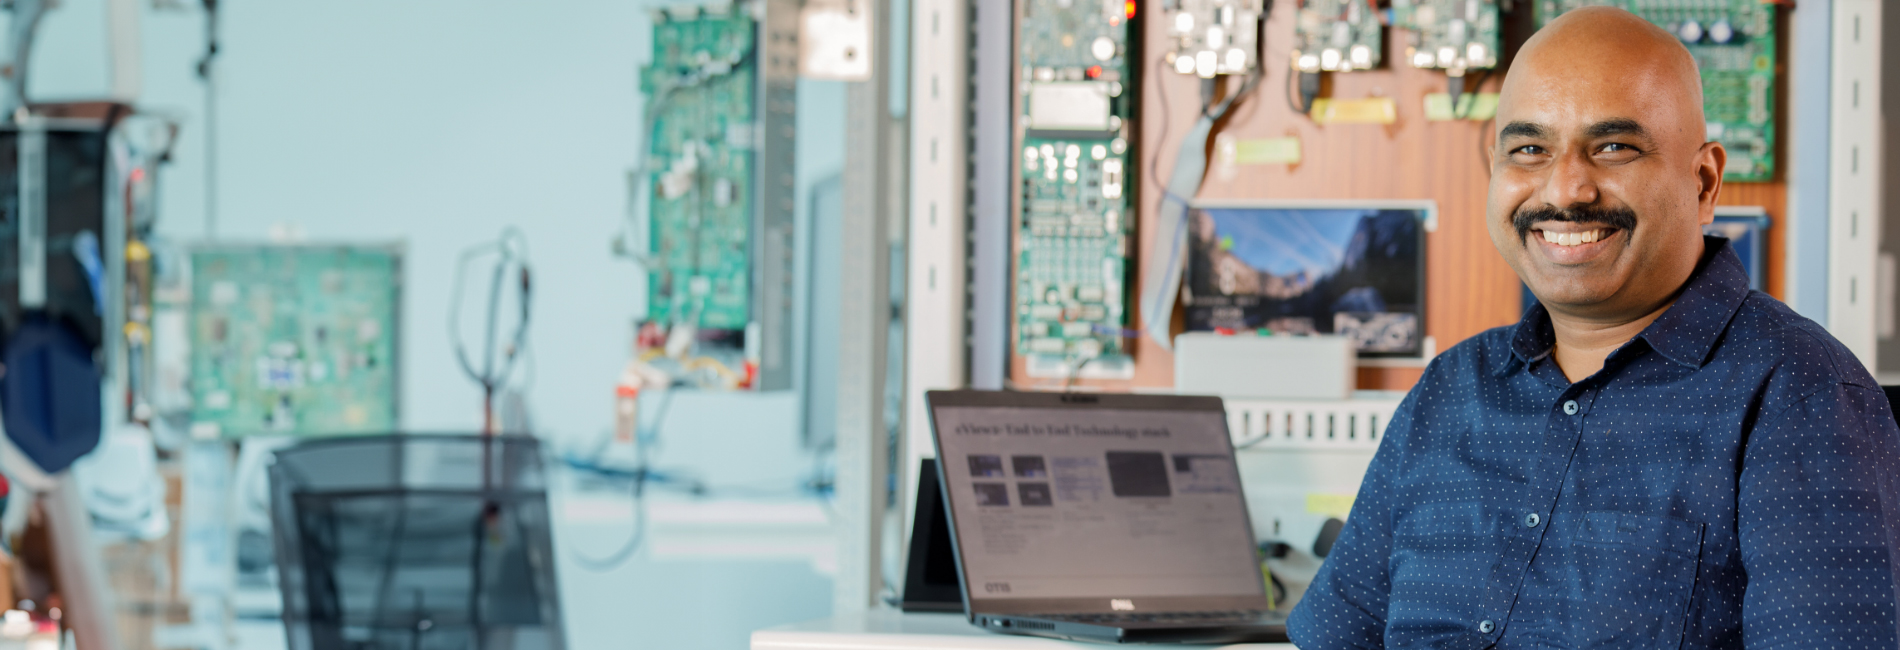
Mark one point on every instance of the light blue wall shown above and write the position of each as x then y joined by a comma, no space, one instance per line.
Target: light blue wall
439,123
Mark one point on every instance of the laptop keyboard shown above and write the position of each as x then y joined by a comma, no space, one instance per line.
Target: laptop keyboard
1156,617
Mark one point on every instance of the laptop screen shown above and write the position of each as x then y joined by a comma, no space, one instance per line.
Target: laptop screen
1065,503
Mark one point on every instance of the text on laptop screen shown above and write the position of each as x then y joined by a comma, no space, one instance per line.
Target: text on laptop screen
1080,503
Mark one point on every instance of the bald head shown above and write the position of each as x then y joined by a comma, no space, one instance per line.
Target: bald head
1602,176
1608,48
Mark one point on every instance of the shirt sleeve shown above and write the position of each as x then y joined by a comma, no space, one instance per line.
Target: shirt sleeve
1345,607
1819,523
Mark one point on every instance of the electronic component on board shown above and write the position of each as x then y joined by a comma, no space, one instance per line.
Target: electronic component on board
699,166
1337,36
294,339
1452,35
1076,211
1214,37
711,200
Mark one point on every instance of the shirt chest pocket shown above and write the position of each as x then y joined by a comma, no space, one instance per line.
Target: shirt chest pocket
1628,580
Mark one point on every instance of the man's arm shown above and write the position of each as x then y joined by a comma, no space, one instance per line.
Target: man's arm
1819,523
1345,606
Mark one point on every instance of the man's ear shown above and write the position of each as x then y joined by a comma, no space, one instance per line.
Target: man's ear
1710,161
1490,152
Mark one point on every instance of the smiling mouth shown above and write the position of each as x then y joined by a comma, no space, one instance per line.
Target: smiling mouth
1577,238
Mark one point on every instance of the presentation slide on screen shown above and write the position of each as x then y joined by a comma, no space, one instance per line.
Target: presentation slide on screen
1061,503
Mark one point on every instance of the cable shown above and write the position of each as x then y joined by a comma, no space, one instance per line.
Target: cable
512,250
1076,373
1309,83
1458,85
1162,283
640,476
1154,162
211,118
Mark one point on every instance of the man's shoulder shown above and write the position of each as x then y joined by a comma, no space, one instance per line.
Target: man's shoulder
1797,350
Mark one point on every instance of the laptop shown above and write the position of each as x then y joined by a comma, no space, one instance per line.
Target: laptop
1114,518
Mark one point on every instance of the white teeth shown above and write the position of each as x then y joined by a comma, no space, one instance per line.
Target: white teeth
1574,238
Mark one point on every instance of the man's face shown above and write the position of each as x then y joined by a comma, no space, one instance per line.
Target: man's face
1598,181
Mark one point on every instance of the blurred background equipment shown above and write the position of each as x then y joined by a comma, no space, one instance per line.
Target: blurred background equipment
1248,365
510,268
1338,36
1744,226
1213,37
294,339
1450,35
1079,62
931,583
1734,43
1456,36
53,308
415,542
712,200
22,28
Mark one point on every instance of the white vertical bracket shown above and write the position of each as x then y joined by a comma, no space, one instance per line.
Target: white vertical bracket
935,350
1854,184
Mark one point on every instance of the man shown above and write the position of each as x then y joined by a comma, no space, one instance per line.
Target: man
1656,457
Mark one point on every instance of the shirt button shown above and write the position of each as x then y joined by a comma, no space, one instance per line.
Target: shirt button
1532,520
1570,407
1485,627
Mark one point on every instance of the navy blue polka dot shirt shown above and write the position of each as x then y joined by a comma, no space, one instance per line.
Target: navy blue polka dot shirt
1731,478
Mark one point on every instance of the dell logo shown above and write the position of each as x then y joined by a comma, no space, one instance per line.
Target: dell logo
1072,398
1121,605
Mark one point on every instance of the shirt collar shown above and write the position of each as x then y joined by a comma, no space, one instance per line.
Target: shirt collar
1684,334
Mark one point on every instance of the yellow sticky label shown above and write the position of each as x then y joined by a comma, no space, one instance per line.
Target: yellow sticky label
1267,151
1371,110
1331,505
1476,107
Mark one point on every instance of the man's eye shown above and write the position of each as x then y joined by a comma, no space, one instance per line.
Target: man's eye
1618,147
1529,149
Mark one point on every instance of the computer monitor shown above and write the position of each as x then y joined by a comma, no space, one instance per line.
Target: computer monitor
1355,269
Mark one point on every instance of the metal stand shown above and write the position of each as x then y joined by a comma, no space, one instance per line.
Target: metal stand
863,446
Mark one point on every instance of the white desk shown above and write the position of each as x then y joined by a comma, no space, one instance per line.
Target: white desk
894,630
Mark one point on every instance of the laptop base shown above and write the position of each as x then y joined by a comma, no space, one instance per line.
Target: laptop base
1267,629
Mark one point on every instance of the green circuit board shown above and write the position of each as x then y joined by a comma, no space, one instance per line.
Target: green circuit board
1450,34
1077,204
294,339
700,87
1213,37
1734,45
1337,36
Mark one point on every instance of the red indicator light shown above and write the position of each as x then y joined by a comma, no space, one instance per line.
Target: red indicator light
1129,8
1095,71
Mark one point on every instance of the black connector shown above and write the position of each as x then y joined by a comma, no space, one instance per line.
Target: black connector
1328,534
1275,550
1309,91
1455,87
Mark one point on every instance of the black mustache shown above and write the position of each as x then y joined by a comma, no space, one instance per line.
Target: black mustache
1618,218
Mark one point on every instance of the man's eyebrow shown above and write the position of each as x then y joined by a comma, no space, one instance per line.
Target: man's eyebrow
1616,126
1523,130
